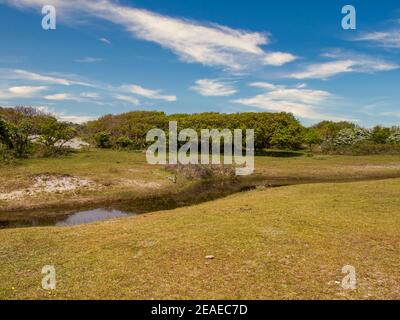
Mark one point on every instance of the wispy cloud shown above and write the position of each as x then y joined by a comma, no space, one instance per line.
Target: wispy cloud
21,92
90,95
26,90
213,88
105,40
129,99
264,85
387,39
344,63
89,60
301,102
208,44
62,97
148,93
37,77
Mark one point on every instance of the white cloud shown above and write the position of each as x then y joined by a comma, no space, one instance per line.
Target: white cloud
344,64
90,95
148,93
20,92
208,44
32,76
213,87
89,60
129,99
61,97
105,40
301,102
263,85
386,39
278,58
324,70
26,90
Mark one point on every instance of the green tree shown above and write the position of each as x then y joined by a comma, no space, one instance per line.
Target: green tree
312,137
20,137
54,134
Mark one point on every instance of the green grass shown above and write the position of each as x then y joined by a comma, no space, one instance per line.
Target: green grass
121,175
288,243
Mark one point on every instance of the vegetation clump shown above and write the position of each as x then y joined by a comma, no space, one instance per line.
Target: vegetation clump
202,171
26,131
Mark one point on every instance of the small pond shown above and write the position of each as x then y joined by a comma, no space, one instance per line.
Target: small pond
74,218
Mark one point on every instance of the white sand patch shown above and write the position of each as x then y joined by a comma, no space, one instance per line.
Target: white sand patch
48,183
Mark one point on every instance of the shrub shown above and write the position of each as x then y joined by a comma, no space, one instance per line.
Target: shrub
348,137
5,134
369,147
124,142
394,138
202,171
380,134
103,139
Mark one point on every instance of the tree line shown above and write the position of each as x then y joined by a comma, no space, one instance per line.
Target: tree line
272,130
26,131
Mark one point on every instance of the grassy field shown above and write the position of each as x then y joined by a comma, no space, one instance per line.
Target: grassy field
124,175
117,175
289,242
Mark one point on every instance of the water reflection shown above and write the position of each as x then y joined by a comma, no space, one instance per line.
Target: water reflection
80,217
91,216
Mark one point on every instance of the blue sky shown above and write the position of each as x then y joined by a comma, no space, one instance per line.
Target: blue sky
194,56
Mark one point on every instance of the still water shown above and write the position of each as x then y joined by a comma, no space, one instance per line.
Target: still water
75,218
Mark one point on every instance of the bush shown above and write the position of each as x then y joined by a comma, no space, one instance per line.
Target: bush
394,138
5,155
202,171
380,134
349,137
103,139
124,142
5,134
369,147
